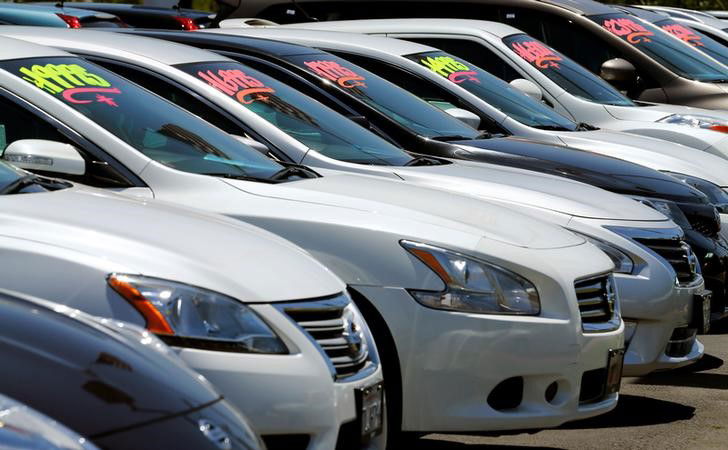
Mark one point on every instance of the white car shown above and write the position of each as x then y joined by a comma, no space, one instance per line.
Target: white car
654,332
571,90
209,286
452,287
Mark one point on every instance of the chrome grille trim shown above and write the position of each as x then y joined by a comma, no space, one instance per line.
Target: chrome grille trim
678,254
596,297
326,324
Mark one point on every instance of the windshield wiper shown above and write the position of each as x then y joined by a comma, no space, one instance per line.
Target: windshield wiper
586,127
293,170
234,176
424,161
30,180
552,127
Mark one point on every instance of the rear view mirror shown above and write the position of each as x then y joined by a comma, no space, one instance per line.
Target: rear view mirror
45,156
528,87
262,148
620,73
465,116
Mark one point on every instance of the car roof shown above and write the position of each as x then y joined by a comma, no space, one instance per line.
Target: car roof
35,9
646,14
269,46
319,36
145,9
457,26
162,51
17,49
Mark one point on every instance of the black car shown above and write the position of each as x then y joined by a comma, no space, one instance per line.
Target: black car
151,16
635,56
113,383
431,135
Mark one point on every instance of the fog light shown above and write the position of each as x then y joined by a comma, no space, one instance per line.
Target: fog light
508,394
551,392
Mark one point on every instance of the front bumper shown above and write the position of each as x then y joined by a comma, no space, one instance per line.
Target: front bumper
652,303
453,363
290,398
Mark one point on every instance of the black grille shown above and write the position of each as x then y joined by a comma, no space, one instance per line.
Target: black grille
330,324
593,386
596,298
677,253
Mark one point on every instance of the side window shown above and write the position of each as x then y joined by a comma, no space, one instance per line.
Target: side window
18,123
715,37
174,94
423,89
331,10
475,53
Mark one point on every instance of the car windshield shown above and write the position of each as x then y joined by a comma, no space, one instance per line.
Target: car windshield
300,116
695,38
150,124
394,102
565,72
492,90
671,53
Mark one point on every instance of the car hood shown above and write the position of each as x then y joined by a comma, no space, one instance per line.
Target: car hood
655,112
93,375
533,189
598,170
654,153
417,204
160,240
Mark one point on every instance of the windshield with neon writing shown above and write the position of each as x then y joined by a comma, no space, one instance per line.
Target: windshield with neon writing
394,102
150,124
301,117
671,53
492,90
565,72
700,41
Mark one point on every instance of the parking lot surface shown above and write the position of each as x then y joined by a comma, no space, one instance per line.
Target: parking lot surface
687,408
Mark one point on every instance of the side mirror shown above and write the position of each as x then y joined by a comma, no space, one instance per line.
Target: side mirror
45,156
465,116
620,73
528,87
259,146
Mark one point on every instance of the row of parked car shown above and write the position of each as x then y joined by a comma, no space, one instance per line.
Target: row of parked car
297,232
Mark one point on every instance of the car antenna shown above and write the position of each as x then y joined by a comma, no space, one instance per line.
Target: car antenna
60,4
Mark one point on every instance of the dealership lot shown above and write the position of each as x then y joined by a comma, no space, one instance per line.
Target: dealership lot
679,409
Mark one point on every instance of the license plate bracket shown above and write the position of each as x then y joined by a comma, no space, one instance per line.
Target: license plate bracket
702,311
370,411
615,364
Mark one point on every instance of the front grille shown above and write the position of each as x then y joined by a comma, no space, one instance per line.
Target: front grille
335,329
596,298
677,253
704,226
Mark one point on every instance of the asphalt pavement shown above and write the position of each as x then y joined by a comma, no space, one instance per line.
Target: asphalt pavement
685,408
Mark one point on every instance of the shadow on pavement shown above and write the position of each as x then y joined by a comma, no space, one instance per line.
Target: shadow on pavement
690,376
433,444
636,411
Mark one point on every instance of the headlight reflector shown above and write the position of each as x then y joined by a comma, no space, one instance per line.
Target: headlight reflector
473,285
716,196
667,208
188,316
622,262
697,121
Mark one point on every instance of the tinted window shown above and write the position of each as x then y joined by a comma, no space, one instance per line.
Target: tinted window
679,58
387,98
150,124
563,71
695,38
300,116
492,90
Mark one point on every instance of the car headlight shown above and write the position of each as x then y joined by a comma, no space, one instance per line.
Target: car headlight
716,196
473,285
622,262
188,316
697,121
24,427
667,208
